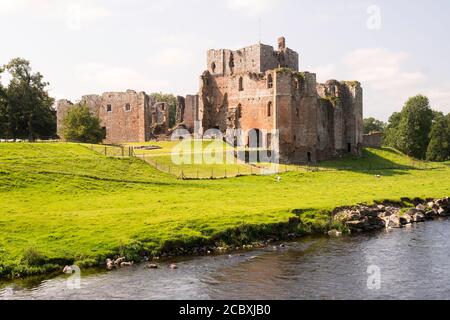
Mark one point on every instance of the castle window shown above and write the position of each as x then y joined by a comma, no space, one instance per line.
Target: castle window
213,67
239,111
297,84
309,156
163,107
241,84
269,109
127,107
297,112
269,81
109,108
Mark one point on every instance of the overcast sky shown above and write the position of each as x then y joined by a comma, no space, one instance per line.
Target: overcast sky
395,48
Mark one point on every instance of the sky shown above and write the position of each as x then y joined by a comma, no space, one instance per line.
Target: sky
396,48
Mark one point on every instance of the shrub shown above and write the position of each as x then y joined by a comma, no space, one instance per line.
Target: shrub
81,126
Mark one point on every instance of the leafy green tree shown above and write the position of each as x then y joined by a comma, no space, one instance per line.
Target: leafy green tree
81,126
3,110
171,101
439,146
409,131
373,125
29,109
391,131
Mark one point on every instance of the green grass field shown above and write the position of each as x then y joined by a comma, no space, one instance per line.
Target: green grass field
192,154
64,202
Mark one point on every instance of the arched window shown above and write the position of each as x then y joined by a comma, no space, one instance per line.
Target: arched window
241,84
213,67
269,109
239,111
269,81
297,84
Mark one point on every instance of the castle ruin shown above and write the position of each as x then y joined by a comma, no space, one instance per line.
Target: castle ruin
257,91
125,116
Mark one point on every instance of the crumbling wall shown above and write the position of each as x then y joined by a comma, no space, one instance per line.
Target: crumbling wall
180,112
191,113
301,139
347,98
373,140
122,114
126,116
159,116
258,58
62,109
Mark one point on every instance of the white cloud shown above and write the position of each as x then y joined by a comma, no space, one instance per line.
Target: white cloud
439,97
171,57
98,78
382,69
388,83
253,7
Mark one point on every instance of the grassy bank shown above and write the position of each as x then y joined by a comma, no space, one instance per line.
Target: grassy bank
64,203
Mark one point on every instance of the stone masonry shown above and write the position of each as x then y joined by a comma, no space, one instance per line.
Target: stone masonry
126,116
258,90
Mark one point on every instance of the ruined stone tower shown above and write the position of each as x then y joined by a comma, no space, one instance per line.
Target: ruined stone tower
259,89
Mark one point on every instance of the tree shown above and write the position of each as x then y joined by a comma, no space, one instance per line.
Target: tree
439,146
409,131
391,131
3,110
81,126
373,125
29,109
171,101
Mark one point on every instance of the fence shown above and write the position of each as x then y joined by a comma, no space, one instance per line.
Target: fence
221,171
112,151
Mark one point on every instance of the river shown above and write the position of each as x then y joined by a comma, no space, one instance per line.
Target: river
413,263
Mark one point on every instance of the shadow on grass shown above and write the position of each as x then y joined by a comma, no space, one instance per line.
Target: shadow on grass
375,164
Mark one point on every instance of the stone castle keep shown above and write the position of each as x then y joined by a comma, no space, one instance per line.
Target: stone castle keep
255,90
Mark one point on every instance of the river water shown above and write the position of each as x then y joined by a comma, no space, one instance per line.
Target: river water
413,263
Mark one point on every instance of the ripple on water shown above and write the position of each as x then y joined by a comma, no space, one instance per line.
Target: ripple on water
414,264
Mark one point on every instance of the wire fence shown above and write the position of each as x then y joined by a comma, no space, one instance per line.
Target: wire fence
112,151
240,168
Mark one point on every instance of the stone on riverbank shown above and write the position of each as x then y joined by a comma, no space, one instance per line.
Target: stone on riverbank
369,218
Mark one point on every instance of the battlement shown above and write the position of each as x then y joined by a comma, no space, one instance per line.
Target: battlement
257,58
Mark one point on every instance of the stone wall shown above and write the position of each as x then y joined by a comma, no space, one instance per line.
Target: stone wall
123,116
258,58
126,116
347,99
258,88
191,112
373,140
62,109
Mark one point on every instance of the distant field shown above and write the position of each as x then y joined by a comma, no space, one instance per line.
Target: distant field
65,202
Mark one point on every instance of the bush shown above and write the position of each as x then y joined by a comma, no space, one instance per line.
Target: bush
81,126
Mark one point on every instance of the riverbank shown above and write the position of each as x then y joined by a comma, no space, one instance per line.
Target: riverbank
342,221
64,204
